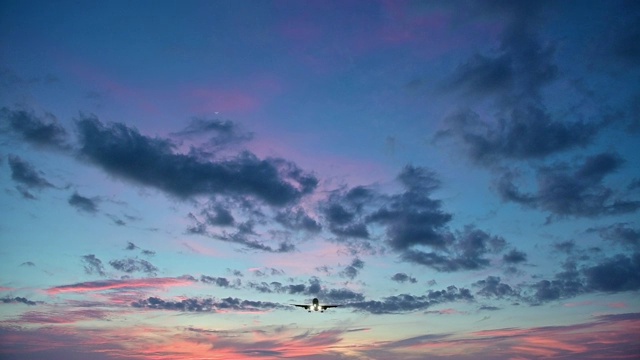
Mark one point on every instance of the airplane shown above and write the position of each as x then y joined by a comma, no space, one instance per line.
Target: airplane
315,306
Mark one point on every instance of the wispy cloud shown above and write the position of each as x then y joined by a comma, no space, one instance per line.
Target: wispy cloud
82,203
573,189
126,284
43,131
207,305
93,265
131,265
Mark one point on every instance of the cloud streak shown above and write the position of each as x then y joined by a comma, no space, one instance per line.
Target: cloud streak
126,284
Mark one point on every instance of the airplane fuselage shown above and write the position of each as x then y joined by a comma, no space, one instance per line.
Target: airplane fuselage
315,306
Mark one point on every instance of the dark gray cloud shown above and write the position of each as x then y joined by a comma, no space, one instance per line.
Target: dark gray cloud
402,278
414,223
24,173
220,133
514,257
566,284
572,190
218,216
566,247
244,236
83,203
38,131
408,303
267,272
512,78
313,288
124,152
616,274
493,287
466,250
131,265
345,210
131,246
413,218
520,66
619,40
351,271
620,233
206,305
10,79
277,287
525,132
297,219
116,220
482,75
93,265
620,273
340,295
18,299
218,281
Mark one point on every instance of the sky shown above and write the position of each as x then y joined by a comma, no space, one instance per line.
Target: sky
461,177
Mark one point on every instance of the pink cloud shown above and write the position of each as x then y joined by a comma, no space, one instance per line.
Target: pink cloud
617,305
198,248
578,304
210,100
605,337
62,317
102,285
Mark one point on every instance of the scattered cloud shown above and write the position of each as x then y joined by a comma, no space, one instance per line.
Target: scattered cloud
514,257
207,305
493,287
467,250
620,273
131,265
402,278
244,236
619,233
221,134
573,189
18,300
24,173
351,271
408,303
93,265
219,281
81,203
297,219
526,132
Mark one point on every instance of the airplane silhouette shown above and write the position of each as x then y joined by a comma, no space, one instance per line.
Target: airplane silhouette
315,306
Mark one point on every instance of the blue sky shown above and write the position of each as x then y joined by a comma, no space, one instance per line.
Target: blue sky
461,177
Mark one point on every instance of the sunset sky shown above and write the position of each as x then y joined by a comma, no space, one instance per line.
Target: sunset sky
461,177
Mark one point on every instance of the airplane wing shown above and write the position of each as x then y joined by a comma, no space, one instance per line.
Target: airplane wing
325,307
302,306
